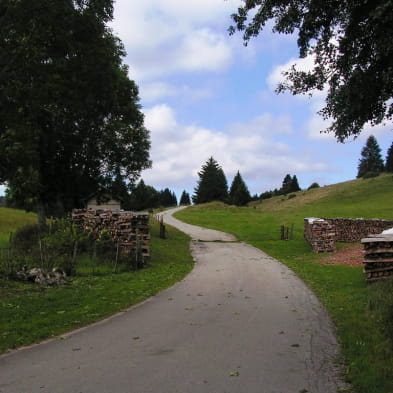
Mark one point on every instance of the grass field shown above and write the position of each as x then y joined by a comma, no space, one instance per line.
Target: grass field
12,219
361,320
30,313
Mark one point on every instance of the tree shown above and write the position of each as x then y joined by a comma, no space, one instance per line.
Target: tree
289,184
185,198
350,42
313,185
389,159
239,194
71,122
167,198
212,184
286,185
294,184
370,163
144,197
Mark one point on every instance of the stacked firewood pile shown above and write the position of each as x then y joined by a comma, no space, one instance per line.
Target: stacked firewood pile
378,257
349,230
320,234
129,230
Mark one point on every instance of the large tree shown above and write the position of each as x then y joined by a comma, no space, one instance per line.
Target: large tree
212,184
70,121
371,162
389,159
238,193
350,42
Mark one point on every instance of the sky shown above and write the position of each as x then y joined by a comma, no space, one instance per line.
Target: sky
205,94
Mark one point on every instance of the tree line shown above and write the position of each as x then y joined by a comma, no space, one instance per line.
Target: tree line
212,186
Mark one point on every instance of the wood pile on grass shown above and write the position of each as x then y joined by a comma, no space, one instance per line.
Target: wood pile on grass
320,234
378,257
352,230
129,230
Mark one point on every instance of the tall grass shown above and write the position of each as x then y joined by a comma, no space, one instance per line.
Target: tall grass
362,313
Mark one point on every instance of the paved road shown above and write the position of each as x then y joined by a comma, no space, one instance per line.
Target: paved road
240,322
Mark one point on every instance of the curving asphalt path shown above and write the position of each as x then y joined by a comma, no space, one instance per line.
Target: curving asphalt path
240,322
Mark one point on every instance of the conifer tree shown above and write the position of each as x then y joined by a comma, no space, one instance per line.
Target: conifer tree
389,159
185,198
371,163
294,184
239,194
212,184
286,184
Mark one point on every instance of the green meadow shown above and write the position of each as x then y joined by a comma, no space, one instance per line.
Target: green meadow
363,314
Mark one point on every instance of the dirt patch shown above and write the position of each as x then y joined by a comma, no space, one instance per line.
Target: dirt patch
348,255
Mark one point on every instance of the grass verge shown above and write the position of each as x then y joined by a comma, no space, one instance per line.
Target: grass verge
361,312
30,313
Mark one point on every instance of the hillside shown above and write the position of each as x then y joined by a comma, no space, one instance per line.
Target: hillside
367,198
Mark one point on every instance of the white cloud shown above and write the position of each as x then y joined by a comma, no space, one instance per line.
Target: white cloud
254,148
154,91
306,64
167,36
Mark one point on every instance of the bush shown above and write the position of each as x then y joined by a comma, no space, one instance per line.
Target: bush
370,175
313,185
26,238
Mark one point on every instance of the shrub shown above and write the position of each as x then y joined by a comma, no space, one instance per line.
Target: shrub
313,185
370,175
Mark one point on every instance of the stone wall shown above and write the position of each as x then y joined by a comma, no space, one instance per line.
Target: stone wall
322,233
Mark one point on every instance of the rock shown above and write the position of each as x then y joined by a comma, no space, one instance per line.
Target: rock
42,277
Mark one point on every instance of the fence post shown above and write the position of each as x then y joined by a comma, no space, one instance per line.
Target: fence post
9,253
162,229
117,257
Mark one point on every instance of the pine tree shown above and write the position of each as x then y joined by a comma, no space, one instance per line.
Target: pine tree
389,159
286,185
294,184
185,198
212,184
239,194
371,163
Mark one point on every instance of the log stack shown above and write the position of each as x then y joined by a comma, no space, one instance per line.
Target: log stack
378,257
128,229
320,234
352,230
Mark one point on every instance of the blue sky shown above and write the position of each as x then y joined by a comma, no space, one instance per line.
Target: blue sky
205,94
